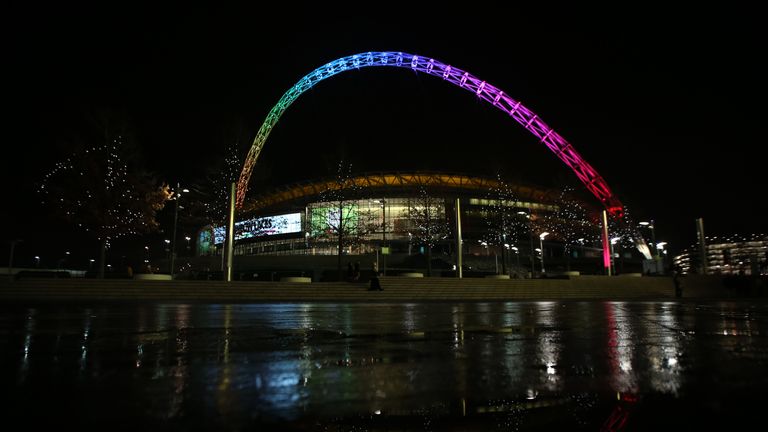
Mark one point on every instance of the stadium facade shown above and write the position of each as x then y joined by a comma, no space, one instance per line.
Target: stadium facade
285,221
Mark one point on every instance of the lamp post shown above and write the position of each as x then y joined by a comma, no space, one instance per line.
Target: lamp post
175,223
661,247
410,242
653,236
383,236
541,245
504,246
517,255
614,240
10,258
530,238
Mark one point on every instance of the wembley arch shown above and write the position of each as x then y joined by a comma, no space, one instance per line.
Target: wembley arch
489,93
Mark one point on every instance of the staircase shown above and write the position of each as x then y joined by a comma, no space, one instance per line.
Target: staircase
396,289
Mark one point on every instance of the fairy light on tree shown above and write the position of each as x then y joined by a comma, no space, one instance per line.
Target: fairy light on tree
96,190
217,209
208,205
503,223
570,223
429,224
625,232
338,218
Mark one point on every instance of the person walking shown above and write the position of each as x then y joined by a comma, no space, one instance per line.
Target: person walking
375,282
356,272
677,274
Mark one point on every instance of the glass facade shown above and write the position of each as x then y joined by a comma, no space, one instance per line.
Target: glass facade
367,223
734,255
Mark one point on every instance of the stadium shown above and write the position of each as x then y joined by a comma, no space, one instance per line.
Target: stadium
385,218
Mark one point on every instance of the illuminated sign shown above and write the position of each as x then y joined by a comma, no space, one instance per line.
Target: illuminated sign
259,227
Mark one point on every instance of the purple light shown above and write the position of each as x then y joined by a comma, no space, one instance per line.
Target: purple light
556,143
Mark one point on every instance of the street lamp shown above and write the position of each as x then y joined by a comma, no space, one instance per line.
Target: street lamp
517,254
410,242
178,194
10,258
530,237
383,235
653,235
614,240
541,245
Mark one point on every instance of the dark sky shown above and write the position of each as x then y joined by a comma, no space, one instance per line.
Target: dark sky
666,105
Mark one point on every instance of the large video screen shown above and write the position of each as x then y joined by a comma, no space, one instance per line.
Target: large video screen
326,220
259,227
204,245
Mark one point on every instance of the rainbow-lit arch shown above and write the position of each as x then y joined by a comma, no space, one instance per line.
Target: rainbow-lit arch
556,143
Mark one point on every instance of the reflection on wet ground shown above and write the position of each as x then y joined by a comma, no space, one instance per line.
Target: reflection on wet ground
428,366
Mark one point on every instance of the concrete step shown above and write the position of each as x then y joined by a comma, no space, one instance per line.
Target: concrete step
395,289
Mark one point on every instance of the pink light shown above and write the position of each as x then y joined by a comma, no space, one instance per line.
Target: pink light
557,144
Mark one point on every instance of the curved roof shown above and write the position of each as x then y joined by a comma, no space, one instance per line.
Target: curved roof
410,183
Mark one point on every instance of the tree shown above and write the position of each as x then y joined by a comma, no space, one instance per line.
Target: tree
625,232
97,190
570,223
337,217
208,205
429,224
217,185
503,224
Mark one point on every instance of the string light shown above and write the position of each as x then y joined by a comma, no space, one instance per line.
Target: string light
95,190
427,215
570,222
337,218
503,223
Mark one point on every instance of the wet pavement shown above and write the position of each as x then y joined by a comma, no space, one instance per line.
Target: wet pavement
421,366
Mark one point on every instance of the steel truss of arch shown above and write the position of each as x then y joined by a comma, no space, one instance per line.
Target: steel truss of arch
496,97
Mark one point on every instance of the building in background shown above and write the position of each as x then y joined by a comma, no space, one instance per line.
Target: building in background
731,255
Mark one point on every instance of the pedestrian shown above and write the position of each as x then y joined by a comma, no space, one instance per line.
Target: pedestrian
375,282
129,271
676,275
350,272
356,273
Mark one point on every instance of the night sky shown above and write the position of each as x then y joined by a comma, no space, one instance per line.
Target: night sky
667,106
